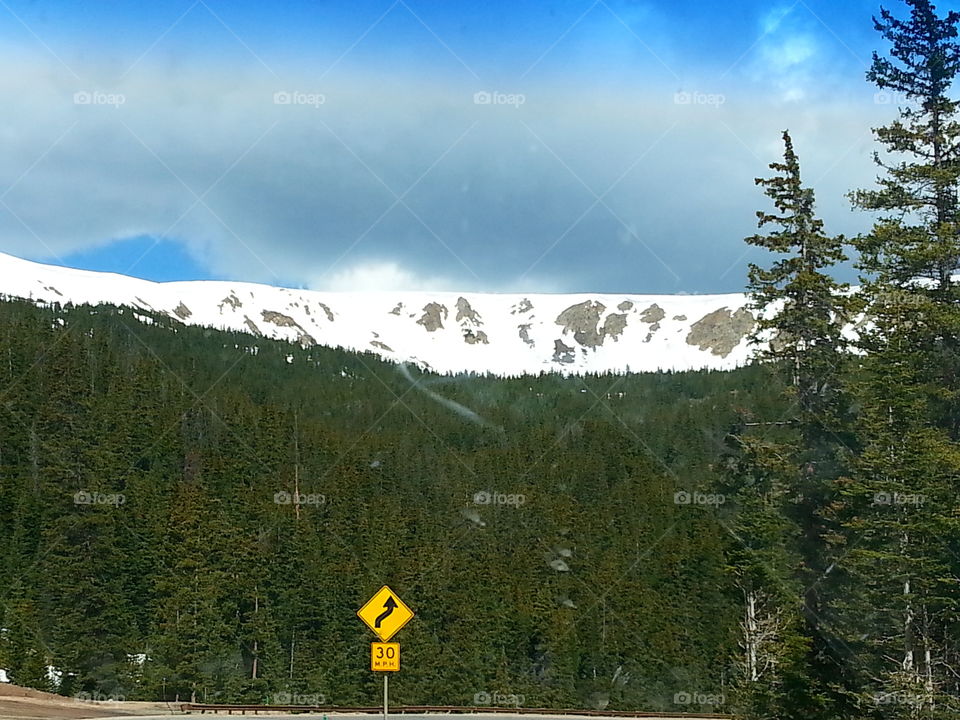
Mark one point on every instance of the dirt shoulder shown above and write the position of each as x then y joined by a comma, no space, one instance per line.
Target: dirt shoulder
20,703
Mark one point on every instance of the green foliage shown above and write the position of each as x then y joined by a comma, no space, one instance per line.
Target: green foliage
802,309
598,589
896,531
778,471
917,235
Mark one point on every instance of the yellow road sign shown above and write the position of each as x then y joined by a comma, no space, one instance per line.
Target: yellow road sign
385,657
385,613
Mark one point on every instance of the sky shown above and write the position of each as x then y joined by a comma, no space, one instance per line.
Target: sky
588,146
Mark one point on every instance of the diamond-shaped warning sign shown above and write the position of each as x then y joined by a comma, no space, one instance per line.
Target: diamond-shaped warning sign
385,613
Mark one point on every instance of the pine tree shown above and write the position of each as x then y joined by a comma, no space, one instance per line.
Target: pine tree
194,653
799,303
898,605
917,238
801,312
912,254
761,561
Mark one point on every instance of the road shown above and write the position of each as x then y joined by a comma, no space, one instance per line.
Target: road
405,716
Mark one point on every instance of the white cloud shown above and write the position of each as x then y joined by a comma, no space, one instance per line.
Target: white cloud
790,63
790,52
794,55
774,17
380,275
389,275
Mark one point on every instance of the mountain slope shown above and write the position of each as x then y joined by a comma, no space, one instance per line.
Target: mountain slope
501,334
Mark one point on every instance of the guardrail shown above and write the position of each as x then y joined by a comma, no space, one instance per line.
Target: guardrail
400,709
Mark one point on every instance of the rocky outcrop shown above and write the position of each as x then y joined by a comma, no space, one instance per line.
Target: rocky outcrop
232,300
614,325
252,326
653,315
582,320
521,307
562,353
381,346
721,331
467,313
433,316
779,341
326,311
471,337
279,319
182,311
524,331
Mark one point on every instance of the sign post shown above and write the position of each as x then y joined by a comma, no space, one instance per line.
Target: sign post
385,613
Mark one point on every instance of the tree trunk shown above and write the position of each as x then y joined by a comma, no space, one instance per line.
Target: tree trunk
751,636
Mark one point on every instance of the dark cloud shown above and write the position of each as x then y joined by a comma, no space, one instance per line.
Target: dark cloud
369,180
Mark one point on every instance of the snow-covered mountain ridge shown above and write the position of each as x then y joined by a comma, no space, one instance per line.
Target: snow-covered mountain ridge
501,334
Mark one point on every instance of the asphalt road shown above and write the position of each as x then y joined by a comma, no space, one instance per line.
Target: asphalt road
369,716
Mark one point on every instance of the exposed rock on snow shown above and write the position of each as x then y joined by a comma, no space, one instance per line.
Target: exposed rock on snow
720,331
562,353
466,313
433,317
653,315
582,320
525,334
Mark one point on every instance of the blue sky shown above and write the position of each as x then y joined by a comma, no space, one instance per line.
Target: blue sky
561,147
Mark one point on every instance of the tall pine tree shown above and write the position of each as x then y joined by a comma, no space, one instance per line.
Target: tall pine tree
898,525
781,485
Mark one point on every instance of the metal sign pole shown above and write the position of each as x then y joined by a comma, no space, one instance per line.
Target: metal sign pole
386,677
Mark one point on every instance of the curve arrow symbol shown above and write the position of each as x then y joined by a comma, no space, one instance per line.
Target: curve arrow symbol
389,606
